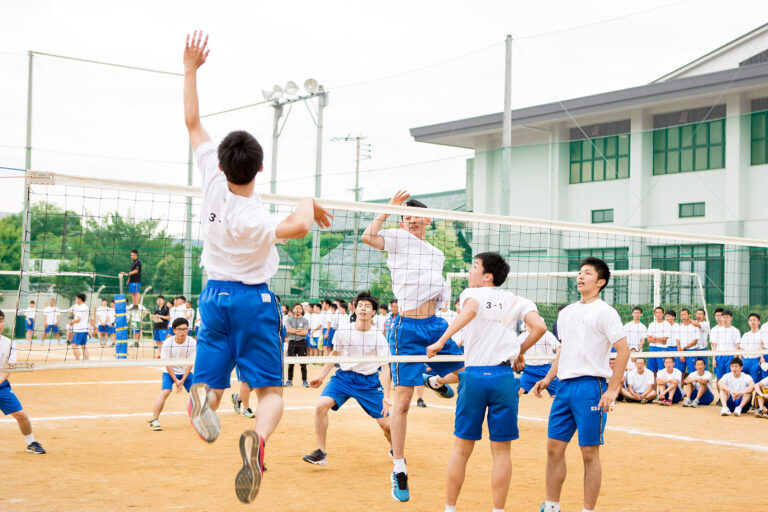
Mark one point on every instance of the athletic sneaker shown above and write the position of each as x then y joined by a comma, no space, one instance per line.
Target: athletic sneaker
203,418
288,383
248,479
737,412
155,425
420,403
35,447
400,487
305,383
687,402
725,412
444,391
643,401
247,412
695,402
236,402
317,457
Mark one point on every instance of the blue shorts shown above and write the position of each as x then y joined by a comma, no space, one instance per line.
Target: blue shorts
80,338
135,331
134,287
159,334
29,324
491,388
690,363
706,399
677,395
533,374
731,404
243,326
410,337
576,408
9,404
366,389
752,367
103,329
313,342
656,364
168,381
723,366
111,329
52,328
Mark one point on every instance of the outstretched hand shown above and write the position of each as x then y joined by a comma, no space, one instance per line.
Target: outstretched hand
400,197
195,52
322,216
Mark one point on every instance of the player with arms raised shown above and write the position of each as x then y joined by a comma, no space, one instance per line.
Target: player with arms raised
242,316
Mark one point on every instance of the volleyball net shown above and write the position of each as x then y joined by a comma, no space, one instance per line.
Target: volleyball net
79,233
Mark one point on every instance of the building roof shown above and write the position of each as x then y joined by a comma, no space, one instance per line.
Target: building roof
454,133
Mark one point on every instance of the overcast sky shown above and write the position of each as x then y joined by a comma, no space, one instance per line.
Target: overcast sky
389,66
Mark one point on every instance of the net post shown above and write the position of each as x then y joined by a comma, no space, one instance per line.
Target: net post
656,288
121,328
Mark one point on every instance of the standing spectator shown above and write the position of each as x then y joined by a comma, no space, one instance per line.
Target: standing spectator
658,334
51,316
725,338
102,329
696,386
735,389
134,277
29,320
671,317
687,339
554,325
111,321
160,317
636,333
297,328
135,314
752,340
79,323
179,309
640,385
703,325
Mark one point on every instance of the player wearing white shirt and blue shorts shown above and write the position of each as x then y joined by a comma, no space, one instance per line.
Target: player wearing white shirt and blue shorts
670,318
537,369
636,333
243,323
51,316
724,338
354,380
658,335
29,320
752,340
696,386
587,330
102,314
669,383
181,346
702,324
420,288
687,340
488,385
736,388
80,314
9,403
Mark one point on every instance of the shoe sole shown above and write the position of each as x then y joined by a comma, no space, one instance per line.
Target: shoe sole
35,453
201,416
248,479
393,482
316,463
235,406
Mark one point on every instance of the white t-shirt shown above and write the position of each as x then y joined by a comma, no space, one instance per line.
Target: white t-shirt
315,320
30,313
82,312
587,332
349,341
198,319
51,315
238,232
172,350
674,333
726,338
416,268
640,382
676,375
177,312
490,338
659,330
379,321
703,335
102,313
737,384
751,341
686,334
707,376
111,316
189,314
7,350
635,333
547,345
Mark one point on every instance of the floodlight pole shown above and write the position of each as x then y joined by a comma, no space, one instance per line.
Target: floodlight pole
187,284
314,280
278,113
506,132
27,219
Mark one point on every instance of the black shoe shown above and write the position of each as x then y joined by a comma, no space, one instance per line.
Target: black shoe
317,457
34,447
420,403
248,479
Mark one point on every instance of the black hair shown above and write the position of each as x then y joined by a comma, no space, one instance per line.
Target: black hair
561,307
671,312
134,251
494,264
179,321
240,157
658,308
326,301
296,304
670,358
754,315
637,308
366,296
393,301
2,315
343,305
719,310
415,203
686,310
81,296
334,306
182,298
31,302
702,310
640,359
737,361
700,359
601,267
727,312
160,297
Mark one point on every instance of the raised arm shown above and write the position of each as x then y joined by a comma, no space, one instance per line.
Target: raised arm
298,223
371,234
194,57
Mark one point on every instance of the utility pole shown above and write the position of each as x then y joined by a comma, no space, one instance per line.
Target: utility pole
314,280
357,191
506,132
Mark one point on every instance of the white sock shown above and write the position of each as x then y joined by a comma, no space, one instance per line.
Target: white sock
433,382
450,508
551,506
585,510
29,439
498,510
400,466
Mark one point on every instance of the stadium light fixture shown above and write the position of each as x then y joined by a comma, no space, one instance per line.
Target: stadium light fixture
311,85
291,89
277,92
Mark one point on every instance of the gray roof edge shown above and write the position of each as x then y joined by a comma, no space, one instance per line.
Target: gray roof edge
699,84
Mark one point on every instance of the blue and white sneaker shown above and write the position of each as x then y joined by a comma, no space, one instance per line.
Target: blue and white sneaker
400,487
201,416
35,447
444,391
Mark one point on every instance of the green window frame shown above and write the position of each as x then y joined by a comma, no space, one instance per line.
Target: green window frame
758,276
759,138
689,147
599,159
686,210
706,260
617,258
602,216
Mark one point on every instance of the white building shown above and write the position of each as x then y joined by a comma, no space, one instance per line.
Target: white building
686,153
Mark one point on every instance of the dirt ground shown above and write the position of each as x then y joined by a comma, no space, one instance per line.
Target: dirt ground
102,455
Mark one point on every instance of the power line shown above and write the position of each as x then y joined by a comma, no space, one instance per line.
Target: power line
112,64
